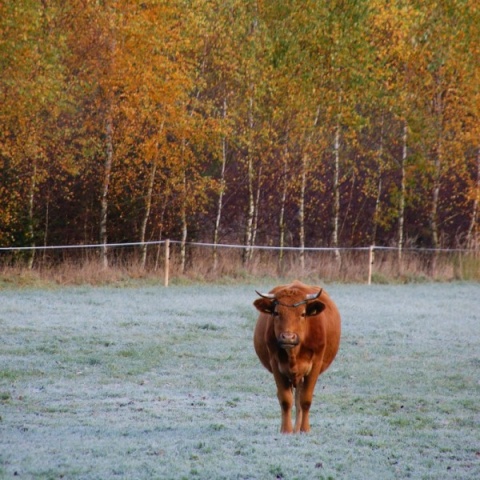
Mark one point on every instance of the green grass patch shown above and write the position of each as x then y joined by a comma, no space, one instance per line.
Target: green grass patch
149,382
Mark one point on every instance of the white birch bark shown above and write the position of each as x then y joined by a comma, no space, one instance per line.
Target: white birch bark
107,171
435,196
401,204
146,215
472,233
376,213
183,218
336,192
251,194
218,218
301,211
31,206
281,219
255,211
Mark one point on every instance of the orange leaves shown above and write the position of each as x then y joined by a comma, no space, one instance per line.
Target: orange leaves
176,91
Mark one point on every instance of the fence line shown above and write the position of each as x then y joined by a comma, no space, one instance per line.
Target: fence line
225,245
369,268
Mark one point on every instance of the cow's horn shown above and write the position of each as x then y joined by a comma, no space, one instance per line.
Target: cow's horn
270,296
313,296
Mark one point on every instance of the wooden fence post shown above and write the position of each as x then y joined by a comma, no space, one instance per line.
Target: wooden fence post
370,263
167,261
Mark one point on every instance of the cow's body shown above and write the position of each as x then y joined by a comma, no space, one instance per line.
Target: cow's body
296,338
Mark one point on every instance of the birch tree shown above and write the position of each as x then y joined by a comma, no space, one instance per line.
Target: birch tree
32,83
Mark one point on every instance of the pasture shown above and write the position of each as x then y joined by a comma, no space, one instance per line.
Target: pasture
156,383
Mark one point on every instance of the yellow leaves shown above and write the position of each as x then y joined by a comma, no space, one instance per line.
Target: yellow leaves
185,84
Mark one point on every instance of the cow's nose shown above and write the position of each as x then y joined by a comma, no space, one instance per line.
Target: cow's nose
289,338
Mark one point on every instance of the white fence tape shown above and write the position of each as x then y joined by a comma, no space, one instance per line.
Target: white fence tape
222,245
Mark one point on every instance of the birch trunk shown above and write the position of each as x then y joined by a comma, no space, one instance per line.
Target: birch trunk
438,110
31,206
401,205
301,212
47,222
255,212
250,212
251,195
303,190
183,216
160,236
472,234
218,219
281,219
148,206
336,193
184,206
107,171
376,212
437,163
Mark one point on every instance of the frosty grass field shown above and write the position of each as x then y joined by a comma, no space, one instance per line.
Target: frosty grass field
156,383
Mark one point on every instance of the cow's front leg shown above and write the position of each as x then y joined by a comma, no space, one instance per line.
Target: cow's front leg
305,397
285,398
298,406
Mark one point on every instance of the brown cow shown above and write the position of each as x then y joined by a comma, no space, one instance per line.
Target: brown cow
296,338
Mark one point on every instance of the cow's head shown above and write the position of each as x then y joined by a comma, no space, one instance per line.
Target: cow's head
290,310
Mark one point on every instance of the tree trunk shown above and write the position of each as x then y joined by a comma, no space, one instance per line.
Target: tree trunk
107,171
218,219
31,205
303,190
301,211
435,196
281,220
148,206
160,236
376,212
401,205
472,234
47,221
251,195
438,111
183,217
250,212
336,192
255,211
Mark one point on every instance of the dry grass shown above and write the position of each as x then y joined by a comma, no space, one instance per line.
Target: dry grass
72,268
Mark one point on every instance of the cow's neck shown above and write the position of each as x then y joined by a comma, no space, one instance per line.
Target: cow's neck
295,363
289,358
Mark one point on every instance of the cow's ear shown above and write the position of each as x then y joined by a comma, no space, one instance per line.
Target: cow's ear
314,308
264,305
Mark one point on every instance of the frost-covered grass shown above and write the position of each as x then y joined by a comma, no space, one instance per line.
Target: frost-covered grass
155,383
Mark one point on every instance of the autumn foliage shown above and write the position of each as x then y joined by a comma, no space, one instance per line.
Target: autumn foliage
316,123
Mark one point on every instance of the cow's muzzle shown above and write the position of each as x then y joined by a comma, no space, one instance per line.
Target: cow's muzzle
288,340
